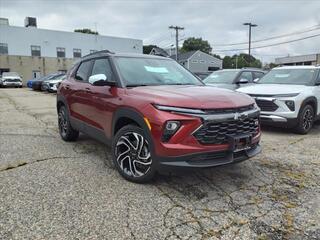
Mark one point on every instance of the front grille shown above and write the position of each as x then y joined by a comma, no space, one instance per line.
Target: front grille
12,80
267,106
220,132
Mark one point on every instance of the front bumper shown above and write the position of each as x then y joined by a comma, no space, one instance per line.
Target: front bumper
208,159
11,84
277,121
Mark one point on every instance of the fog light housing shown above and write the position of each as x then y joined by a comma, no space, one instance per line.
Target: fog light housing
170,128
290,105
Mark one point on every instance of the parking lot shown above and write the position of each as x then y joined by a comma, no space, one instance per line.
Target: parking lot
50,189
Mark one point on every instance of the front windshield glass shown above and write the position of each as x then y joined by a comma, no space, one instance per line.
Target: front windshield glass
289,76
226,77
10,74
149,71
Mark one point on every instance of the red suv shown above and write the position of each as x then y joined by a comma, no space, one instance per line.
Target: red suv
155,114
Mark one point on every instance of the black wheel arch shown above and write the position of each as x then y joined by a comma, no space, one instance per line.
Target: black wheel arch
125,116
310,101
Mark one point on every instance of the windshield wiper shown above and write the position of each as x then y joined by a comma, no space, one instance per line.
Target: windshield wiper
136,85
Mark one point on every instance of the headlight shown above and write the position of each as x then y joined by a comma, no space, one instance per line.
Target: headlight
179,110
170,128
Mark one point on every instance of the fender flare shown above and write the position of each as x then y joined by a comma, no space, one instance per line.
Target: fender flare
313,100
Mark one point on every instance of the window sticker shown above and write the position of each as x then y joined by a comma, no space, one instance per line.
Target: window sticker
282,75
156,69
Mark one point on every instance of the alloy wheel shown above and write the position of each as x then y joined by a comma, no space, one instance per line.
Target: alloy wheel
63,124
133,155
307,119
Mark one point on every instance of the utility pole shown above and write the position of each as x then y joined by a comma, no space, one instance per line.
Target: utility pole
250,26
176,28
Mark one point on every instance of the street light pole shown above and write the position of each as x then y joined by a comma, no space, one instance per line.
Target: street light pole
250,26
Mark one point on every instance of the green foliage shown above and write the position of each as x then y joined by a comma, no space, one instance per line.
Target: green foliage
240,61
86,30
147,48
193,44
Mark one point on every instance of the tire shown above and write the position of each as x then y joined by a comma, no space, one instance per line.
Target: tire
128,143
66,131
305,120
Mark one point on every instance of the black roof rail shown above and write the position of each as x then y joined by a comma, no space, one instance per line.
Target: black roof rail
99,52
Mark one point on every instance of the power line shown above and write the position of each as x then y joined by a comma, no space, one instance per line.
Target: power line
270,45
313,28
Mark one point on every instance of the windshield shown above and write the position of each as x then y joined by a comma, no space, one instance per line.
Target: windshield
221,77
289,76
10,74
149,71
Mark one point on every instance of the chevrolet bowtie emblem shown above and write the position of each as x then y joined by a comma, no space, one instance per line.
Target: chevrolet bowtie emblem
240,116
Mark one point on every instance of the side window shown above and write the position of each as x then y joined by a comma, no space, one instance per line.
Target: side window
257,75
83,71
318,80
102,66
246,75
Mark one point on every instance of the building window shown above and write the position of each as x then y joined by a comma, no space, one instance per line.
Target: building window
202,61
3,48
93,51
61,52
194,61
77,53
35,51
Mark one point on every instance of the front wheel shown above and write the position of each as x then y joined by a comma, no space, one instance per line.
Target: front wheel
132,156
305,120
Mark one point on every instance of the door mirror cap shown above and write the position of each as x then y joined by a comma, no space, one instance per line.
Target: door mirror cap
100,80
256,80
243,80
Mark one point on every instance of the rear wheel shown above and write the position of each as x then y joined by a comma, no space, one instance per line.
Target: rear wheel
131,154
305,120
66,131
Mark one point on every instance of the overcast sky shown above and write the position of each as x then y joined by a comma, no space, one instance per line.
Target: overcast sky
219,22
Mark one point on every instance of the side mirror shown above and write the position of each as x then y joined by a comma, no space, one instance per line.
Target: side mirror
256,80
243,80
100,80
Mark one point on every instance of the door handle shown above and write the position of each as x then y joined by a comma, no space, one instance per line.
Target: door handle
88,90
68,86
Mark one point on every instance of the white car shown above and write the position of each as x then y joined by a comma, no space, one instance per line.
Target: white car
10,79
288,96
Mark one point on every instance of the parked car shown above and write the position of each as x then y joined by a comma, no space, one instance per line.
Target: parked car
288,97
36,84
10,79
234,78
202,75
155,114
51,85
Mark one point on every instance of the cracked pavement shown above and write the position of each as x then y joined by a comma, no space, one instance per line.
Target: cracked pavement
50,189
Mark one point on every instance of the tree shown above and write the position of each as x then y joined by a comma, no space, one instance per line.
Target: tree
240,61
86,30
147,48
193,44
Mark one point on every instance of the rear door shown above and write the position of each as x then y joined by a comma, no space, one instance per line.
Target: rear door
78,89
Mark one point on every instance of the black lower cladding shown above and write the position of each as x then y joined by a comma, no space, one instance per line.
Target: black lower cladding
220,132
209,159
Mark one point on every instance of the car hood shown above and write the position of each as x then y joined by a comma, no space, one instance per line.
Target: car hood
272,89
204,97
224,85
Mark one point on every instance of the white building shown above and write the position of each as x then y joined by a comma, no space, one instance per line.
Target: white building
52,45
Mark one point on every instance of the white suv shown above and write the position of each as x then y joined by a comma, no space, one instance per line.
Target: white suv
288,96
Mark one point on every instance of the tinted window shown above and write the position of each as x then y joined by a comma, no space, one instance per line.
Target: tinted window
258,75
35,51
246,75
83,71
102,66
3,48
